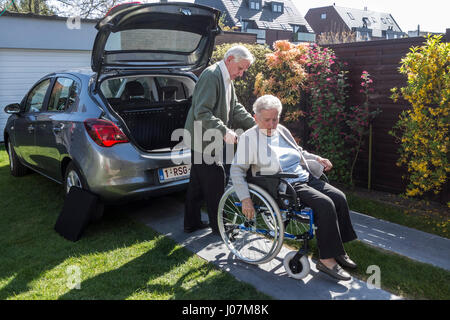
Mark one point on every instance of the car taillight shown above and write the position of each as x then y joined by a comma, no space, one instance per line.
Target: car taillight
104,132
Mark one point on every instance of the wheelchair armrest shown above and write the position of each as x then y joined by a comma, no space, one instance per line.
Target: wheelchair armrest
278,175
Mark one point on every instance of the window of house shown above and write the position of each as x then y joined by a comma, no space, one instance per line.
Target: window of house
374,20
323,16
244,25
389,20
382,20
351,16
254,5
277,7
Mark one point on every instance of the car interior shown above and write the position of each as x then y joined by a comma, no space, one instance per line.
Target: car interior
152,107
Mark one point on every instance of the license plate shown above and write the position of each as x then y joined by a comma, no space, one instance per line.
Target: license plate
174,173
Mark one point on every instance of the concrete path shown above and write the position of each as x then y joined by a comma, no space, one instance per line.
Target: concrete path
415,244
165,215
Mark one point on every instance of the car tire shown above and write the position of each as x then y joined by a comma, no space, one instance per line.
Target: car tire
16,168
73,177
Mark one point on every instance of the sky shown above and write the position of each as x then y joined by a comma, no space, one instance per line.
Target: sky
432,15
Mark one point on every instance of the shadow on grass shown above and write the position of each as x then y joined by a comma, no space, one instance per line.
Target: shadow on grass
149,266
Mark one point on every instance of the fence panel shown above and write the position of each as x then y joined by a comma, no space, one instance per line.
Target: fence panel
382,60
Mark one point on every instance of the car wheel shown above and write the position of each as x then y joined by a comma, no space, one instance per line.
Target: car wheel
16,168
73,178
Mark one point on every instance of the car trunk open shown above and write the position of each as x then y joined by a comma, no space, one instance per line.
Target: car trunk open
151,107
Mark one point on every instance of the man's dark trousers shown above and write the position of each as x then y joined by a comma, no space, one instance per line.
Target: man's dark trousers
207,183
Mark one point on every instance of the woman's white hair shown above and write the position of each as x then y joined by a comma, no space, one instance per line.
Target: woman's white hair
267,102
239,53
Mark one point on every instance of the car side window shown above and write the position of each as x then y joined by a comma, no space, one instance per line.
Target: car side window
35,99
63,95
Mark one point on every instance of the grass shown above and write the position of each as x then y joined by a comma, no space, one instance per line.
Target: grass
122,259
431,220
116,259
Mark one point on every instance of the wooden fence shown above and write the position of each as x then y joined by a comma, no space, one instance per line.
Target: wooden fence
382,60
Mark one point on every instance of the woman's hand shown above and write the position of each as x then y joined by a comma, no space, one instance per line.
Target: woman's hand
247,208
326,164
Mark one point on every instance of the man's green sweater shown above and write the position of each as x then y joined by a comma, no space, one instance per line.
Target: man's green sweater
209,106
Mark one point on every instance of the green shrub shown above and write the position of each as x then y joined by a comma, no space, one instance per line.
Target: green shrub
245,86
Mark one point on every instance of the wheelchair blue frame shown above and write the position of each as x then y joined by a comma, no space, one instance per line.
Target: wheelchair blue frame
304,212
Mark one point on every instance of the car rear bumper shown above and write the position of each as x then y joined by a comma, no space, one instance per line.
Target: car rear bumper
123,173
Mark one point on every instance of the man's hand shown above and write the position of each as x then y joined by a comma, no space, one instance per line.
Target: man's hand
247,208
230,137
326,163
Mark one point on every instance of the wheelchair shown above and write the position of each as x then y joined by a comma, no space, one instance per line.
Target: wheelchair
279,215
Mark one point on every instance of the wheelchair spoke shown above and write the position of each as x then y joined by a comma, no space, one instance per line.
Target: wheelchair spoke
254,241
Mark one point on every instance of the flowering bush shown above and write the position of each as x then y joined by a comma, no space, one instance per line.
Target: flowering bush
245,86
327,86
423,130
285,74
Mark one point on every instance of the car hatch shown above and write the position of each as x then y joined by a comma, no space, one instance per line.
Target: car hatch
155,36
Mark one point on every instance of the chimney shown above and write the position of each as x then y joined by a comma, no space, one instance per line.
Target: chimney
365,8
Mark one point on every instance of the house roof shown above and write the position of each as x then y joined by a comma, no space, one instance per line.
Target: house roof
264,18
376,20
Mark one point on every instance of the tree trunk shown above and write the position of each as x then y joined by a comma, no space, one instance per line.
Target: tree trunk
36,6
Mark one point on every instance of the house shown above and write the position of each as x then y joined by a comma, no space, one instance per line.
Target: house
366,24
269,20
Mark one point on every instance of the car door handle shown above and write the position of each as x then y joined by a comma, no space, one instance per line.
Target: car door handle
58,128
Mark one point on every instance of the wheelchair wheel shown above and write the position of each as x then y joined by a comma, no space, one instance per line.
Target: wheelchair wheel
296,269
253,241
297,225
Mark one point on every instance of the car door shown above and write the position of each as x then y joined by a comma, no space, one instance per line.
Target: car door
51,123
25,124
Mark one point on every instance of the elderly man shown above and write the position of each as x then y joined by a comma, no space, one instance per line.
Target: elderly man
214,108
269,148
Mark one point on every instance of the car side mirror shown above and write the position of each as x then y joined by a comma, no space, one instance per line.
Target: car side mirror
13,108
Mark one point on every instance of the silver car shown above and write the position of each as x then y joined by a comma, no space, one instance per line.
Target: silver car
108,129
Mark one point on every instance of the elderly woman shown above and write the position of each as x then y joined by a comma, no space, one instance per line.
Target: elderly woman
269,148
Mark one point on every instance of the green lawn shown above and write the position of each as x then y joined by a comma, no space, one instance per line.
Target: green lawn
116,259
122,259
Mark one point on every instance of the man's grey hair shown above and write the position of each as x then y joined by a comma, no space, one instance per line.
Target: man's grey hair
239,53
267,102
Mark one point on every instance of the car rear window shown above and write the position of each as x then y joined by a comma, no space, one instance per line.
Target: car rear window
155,88
153,40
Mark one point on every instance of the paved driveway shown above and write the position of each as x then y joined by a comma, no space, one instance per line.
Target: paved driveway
165,215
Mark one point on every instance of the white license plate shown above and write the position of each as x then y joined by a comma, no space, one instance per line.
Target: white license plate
174,173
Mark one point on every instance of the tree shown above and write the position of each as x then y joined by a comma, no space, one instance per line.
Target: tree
86,8
27,6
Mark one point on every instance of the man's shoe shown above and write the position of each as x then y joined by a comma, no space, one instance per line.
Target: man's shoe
336,272
202,225
345,262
